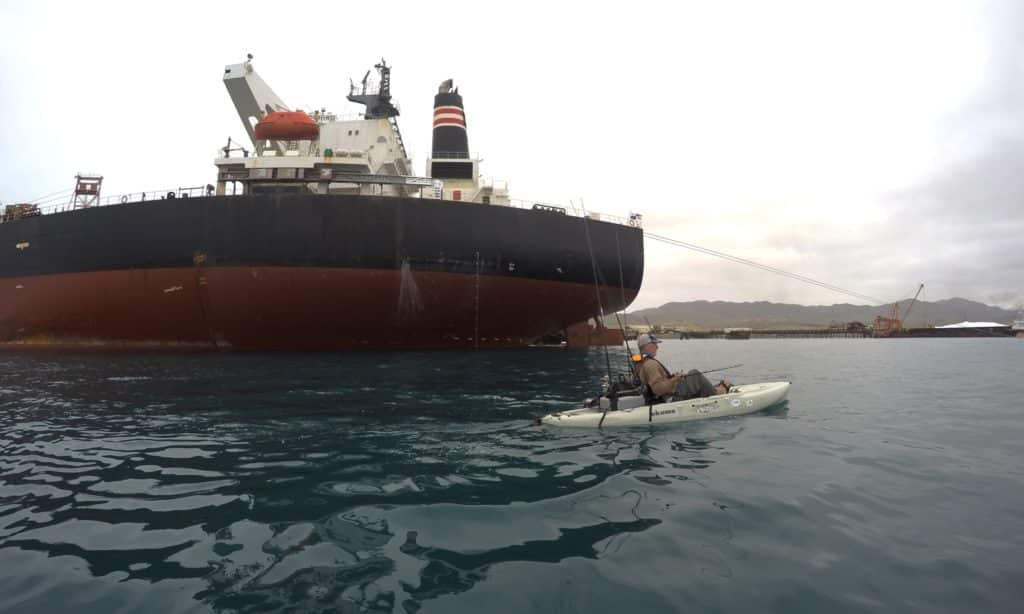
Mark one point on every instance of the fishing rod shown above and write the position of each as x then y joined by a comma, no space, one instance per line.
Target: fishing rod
630,363
625,339
597,287
720,369
622,322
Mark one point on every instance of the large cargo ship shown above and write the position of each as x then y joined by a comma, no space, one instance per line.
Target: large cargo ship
318,237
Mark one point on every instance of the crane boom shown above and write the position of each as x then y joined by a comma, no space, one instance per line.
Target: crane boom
906,314
252,98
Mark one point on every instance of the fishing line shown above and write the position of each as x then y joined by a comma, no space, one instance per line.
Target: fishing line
763,267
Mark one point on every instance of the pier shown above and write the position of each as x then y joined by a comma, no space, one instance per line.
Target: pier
834,333
779,333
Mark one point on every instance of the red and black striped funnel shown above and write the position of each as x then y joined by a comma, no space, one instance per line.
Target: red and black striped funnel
450,139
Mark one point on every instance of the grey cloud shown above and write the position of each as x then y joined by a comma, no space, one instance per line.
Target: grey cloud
962,228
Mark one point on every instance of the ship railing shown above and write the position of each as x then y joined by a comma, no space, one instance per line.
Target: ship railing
324,118
633,219
236,152
494,184
452,155
66,204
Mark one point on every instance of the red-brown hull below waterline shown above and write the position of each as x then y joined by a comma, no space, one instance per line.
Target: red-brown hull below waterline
582,334
288,308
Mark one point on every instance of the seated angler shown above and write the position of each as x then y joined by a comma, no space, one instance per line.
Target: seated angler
665,386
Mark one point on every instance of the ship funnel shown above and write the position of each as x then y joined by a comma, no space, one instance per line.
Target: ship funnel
450,140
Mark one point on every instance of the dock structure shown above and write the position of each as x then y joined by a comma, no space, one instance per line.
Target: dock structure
849,330
838,333
777,333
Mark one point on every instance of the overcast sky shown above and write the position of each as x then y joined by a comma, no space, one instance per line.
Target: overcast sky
871,145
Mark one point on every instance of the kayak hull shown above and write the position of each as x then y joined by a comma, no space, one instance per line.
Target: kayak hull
745,399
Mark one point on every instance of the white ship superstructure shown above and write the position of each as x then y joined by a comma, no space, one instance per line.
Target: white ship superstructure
318,153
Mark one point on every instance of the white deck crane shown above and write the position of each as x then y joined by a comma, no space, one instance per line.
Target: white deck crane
252,98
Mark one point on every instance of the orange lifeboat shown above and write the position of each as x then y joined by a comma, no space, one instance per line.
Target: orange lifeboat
287,126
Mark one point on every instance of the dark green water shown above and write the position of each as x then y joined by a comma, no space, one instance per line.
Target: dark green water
891,481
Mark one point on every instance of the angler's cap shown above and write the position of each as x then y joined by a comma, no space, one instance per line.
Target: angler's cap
646,338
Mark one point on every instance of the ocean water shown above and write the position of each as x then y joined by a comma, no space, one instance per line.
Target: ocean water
892,480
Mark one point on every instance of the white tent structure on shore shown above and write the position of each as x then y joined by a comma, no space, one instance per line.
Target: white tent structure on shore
975,325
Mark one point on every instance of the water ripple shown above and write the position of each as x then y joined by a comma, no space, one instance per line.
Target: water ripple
289,483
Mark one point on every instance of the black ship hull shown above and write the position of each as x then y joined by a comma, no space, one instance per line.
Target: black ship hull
308,272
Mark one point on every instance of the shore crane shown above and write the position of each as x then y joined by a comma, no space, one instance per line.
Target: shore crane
889,326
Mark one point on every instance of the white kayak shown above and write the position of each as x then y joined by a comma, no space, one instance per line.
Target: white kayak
632,411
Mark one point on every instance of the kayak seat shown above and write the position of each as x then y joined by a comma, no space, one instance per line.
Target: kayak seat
649,397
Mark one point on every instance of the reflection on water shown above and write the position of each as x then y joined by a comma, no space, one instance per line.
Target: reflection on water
412,482
250,509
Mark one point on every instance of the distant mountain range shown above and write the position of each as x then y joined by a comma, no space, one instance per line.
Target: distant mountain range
720,314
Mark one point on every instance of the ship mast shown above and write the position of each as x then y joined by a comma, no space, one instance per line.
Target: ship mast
377,100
